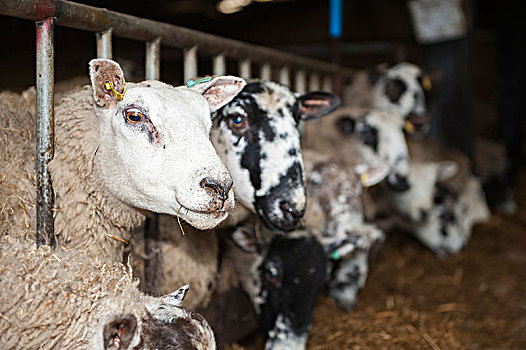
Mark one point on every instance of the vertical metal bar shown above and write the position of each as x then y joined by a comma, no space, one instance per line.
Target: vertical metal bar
327,83
300,85
284,76
190,63
245,69
45,233
104,49
153,267
153,59
266,71
219,64
314,82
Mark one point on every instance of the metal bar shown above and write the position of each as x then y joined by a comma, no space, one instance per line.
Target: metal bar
190,63
266,71
284,76
153,263
300,85
45,233
245,69
153,59
153,267
104,49
219,64
327,83
314,82
79,16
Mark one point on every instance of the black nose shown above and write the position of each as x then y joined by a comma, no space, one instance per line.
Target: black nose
398,184
290,213
423,215
215,188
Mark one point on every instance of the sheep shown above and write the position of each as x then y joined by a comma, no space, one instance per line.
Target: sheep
256,135
335,217
364,136
445,225
67,299
282,275
400,88
119,152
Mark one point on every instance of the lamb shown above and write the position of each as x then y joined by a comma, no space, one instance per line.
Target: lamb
335,217
364,136
118,153
282,275
67,299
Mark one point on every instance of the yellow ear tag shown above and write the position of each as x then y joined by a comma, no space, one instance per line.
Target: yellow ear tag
410,128
363,179
110,87
426,83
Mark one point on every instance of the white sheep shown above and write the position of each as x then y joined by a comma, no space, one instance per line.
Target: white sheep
120,149
67,299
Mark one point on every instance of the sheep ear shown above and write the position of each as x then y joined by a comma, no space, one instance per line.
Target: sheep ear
107,81
119,331
346,125
371,175
245,237
219,90
176,298
317,104
446,170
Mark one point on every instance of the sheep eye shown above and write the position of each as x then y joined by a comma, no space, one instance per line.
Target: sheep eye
315,182
272,275
133,115
369,136
238,123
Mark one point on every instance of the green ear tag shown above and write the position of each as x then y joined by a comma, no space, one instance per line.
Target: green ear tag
336,255
191,82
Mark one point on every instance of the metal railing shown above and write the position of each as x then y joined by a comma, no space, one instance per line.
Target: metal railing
107,23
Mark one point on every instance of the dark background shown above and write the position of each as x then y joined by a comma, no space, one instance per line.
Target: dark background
481,94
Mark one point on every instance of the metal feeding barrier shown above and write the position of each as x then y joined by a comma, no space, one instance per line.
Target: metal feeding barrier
107,23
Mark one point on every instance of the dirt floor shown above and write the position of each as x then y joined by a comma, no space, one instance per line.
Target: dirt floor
412,300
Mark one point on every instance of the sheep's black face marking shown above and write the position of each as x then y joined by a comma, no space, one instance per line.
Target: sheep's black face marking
258,139
291,274
394,89
368,134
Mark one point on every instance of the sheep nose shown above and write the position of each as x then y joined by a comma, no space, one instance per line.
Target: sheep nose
423,215
217,189
290,213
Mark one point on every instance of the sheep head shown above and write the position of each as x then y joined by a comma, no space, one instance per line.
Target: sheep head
154,149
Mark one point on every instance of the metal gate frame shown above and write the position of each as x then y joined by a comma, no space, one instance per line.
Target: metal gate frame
105,23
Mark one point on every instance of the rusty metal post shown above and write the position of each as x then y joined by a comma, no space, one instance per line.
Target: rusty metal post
245,68
266,71
314,82
300,85
104,49
153,59
284,75
190,63
45,233
219,64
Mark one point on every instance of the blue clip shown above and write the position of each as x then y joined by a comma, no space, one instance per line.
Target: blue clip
191,82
